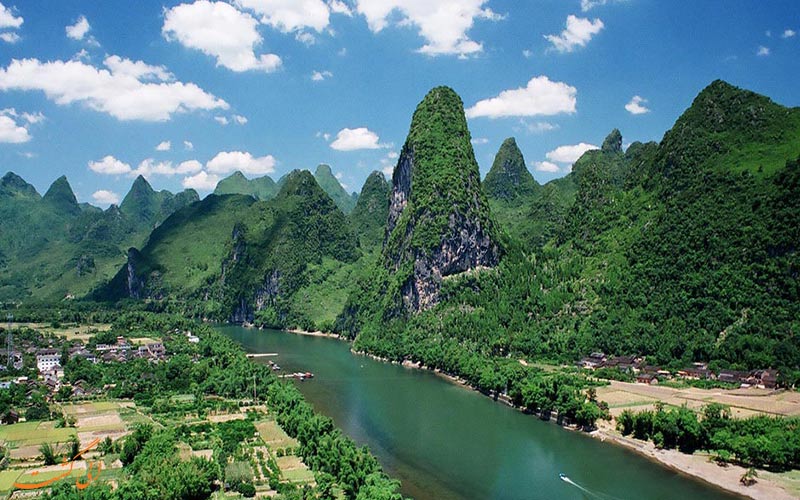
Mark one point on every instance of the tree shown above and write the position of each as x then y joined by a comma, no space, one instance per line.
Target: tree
48,454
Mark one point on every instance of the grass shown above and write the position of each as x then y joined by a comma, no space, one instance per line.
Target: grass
274,436
34,433
88,408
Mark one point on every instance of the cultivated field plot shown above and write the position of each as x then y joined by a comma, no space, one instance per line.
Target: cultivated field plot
294,470
743,402
273,435
103,419
69,332
33,434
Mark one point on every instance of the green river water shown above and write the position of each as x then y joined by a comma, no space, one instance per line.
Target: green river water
445,442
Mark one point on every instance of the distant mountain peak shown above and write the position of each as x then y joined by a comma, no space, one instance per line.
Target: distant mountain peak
613,142
61,196
509,178
331,185
13,185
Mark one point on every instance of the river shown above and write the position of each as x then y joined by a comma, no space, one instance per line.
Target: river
444,442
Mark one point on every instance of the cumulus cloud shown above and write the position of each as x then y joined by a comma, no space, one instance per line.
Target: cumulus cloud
164,146
241,120
569,153
12,132
540,97
150,167
221,120
116,90
202,181
230,161
219,30
105,197
537,127
189,167
305,38
290,15
762,51
443,24
78,30
9,37
577,33
339,7
109,166
636,106
351,139
319,76
546,166
188,146
137,69
8,19
788,33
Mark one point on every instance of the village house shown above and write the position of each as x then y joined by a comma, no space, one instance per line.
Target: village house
647,378
46,359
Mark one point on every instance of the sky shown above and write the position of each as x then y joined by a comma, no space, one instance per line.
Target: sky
185,93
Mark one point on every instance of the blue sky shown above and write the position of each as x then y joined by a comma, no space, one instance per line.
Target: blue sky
91,89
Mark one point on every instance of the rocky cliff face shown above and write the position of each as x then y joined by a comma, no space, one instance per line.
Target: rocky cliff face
439,221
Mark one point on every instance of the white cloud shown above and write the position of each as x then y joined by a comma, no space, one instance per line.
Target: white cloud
164,146
540,97
9,37
480,141
11,132
220,30
7,18
546,166
762,51
577,33
537,127
109,166
78,30
788,33
587,5
188,146
351,139
319,76
230,161
241,120
290,15
105,197
305,38
113,91
443,24
150,167
527,53
569,153
339,7
188,167
137,69
388,170
637,106
202,181
221,120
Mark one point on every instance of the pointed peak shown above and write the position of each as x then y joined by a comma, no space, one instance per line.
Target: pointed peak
141,184
13,185
613,142
237,175
61,196
509,177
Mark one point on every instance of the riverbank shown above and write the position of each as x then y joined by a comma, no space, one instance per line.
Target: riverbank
697,466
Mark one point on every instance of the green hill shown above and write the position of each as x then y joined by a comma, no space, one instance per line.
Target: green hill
682,251
330,184
53,247
368,218
261,188
232,257
509,178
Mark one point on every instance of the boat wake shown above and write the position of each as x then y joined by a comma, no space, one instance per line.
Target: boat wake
590,493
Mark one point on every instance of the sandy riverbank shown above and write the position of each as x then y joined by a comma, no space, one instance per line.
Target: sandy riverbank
316,334
698,466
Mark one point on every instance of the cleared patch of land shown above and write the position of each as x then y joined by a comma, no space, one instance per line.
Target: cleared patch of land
68,331
743,402
274,436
